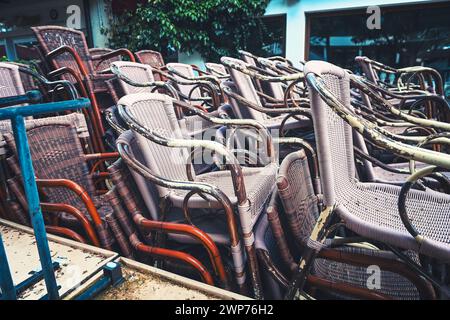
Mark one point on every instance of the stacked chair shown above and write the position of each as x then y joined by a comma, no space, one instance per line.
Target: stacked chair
355,203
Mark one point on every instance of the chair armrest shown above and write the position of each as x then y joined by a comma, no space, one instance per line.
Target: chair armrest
66,49
115,53
275,110
78,190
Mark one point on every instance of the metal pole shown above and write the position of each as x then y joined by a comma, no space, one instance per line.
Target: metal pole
34,208
6,281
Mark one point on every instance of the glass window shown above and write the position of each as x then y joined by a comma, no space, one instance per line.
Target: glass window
409,35
270,36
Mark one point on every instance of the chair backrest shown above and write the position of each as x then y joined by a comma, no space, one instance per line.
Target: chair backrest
188,71
153,58
276,88
147,190
156,112
367,68
137,72
296,193
57,153
10,80
53,37
245,88
333,135
102,65
216,69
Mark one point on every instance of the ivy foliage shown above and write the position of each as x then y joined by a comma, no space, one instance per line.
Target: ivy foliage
214,28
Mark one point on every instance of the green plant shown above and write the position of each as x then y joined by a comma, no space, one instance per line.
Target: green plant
213,28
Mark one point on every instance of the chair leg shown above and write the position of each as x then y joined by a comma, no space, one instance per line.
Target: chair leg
310,252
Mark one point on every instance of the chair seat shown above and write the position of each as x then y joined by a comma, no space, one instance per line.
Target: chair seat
370,209
259,183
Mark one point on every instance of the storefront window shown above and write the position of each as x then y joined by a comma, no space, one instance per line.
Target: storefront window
422,37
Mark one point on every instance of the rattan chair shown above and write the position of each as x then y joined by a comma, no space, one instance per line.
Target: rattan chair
64,176
158,137
368,209
67,52
138,78
341,270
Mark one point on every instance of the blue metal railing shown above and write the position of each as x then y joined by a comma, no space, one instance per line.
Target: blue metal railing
17,114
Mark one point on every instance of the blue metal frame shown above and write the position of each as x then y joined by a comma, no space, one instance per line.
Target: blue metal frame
112,276
6,281
16,115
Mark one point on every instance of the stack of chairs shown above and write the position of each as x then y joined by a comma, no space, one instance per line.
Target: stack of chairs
256,175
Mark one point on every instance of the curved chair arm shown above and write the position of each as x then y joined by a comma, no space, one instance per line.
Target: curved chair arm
115,53
78,190
100,157
200,187
61,231
62,207
232,122
366,88
157,84
435,75
297,110
373,132
71,51
73,93
259,76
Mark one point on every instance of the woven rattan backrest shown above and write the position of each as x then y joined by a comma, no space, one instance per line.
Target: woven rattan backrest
147,189
153,58
102,65
245,88
333,135
188,71
367,68
10,80
216,69
53,37
137,72
57,154
297,194
155,111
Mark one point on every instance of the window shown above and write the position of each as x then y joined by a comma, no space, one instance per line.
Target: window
409,35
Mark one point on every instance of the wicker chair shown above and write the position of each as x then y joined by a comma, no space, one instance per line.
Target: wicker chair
67,51
368,209
153,119
247,103
64,175
155,60
137,223
341,270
